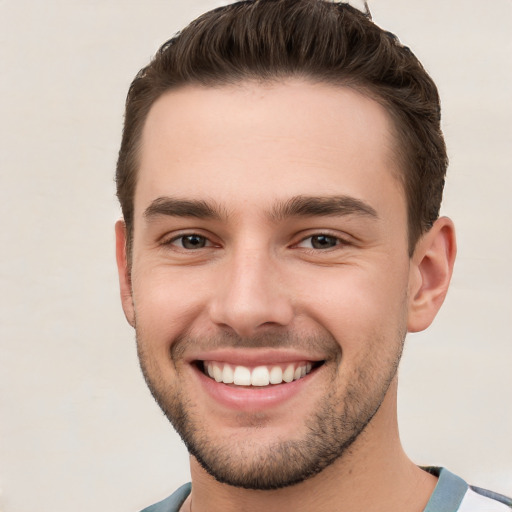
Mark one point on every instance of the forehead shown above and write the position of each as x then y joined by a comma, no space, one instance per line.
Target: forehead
256,143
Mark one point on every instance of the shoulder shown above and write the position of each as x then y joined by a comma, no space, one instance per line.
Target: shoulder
453,493
173,502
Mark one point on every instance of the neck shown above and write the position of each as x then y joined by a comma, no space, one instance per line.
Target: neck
373,475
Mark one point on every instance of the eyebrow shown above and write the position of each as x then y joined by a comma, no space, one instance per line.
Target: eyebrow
298,206
173,207
324,206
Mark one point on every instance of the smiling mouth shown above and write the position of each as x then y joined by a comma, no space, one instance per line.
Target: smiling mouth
258,376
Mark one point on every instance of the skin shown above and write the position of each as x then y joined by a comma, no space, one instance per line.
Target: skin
262,288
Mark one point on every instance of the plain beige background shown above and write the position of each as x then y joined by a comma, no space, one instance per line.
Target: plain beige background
78,429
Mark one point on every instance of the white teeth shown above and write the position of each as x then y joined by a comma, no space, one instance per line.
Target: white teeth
258,376
227,374
276,375
288,373
242,376
217,373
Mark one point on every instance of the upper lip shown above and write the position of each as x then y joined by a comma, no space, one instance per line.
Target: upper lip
254,357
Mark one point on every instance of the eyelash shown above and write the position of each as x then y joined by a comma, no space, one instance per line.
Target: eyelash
183,236
208,243
338,242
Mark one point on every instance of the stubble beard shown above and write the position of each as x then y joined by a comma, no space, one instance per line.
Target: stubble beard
329,431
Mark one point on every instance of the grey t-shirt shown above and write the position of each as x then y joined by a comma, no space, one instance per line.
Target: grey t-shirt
452,494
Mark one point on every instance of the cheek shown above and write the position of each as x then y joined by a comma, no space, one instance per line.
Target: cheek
356,305
166,303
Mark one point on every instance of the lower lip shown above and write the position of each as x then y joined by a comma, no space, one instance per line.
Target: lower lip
252,398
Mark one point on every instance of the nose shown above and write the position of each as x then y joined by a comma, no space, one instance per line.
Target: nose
250,296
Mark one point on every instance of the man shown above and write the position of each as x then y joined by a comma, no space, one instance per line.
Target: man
280,176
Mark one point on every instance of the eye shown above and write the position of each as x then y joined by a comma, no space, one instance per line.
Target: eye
190,242
319,242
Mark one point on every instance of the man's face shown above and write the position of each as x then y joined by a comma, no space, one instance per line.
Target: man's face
270,247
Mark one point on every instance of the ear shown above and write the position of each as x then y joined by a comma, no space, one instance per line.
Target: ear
123,270
430,273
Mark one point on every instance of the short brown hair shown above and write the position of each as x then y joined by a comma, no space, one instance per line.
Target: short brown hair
317,40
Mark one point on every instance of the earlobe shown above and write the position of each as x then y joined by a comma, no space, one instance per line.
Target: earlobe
124,273
430,274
